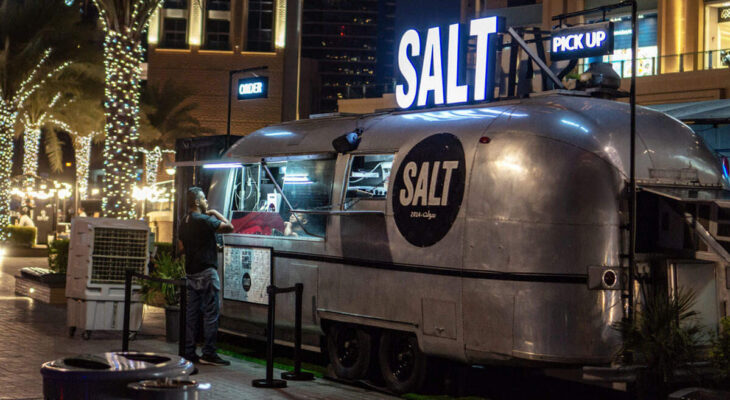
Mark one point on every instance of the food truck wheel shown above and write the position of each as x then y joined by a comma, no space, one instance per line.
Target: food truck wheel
402,363
348,348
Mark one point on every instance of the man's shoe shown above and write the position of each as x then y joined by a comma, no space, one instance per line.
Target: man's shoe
213,359
193,359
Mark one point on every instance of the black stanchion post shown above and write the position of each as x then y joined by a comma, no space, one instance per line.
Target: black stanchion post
297,374
269,381
127,305
183,317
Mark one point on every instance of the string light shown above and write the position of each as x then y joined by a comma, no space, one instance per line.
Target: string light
152,162
10,103
32,122
122,65
82,152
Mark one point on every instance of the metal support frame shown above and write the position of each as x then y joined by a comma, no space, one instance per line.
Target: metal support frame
230,83
180,283
546,71
630,312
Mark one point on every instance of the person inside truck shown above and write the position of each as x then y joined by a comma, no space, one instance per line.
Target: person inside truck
295,227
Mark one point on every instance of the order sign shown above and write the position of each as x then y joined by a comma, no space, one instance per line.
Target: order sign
246,273
428,189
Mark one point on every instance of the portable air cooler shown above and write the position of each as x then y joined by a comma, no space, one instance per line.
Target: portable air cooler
100,253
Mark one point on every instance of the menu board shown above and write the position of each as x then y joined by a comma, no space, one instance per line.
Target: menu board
246,273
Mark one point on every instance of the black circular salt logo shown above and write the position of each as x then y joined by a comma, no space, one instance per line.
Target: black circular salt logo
246,282
428,189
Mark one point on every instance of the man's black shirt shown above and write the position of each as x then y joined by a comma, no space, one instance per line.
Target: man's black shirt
197,233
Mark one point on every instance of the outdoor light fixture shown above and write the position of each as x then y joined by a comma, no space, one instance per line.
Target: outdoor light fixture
170,171
347,142
221,165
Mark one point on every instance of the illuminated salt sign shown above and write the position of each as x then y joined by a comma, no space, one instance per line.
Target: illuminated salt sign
582,41
253,88
427,85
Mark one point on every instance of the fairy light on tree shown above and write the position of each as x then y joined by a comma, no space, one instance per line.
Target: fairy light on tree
82,152
124,23
35,115
152,163
10,104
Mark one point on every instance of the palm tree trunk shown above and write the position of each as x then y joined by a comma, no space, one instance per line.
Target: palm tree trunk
152,164
82,154
7,122
31,144
122,57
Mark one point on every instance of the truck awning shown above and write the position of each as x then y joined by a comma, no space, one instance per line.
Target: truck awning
698,112
690,194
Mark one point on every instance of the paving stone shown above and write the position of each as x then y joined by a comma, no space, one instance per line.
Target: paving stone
32,333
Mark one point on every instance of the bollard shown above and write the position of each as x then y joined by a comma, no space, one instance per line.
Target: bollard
127,305
269,381
297,374
182,283
183,317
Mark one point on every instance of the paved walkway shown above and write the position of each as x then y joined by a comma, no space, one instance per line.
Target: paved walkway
32,333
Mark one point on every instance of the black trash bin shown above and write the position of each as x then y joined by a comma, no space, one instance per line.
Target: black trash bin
106,375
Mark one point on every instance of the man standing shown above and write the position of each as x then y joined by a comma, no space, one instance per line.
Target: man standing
197,241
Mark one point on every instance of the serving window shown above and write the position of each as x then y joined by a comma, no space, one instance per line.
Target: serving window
367,178
257,206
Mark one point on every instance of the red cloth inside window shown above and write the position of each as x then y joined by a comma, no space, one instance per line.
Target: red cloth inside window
258,223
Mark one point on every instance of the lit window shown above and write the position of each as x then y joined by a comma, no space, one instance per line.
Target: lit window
368,178
260,23
258,208
174,33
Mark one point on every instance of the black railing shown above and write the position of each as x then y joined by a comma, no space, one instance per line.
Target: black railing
180,283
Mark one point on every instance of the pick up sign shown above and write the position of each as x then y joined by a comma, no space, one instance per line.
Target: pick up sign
582,41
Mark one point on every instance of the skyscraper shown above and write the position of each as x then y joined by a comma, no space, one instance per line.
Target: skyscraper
353,43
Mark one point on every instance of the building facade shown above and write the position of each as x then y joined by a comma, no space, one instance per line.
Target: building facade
683,46
196,43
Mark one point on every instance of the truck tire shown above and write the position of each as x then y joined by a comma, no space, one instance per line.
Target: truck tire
348,348
402,363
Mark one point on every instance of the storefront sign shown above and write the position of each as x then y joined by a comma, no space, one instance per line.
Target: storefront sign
582,41
723,14
421,64
253,88
246,273
429,188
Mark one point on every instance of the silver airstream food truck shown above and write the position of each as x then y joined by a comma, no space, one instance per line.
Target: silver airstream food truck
479,233
484,233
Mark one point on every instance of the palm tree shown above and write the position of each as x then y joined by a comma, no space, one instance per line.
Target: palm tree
34,44
169,116
83,119
50,105
124,23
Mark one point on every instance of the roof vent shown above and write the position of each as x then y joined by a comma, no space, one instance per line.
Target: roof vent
600,80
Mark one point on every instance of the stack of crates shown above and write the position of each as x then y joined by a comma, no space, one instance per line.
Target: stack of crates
100,253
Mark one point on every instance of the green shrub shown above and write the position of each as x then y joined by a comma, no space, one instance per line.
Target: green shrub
664,336
720,352
20,236
163,248
166,267
58,255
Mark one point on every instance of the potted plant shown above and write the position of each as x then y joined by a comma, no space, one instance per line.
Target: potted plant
166,267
